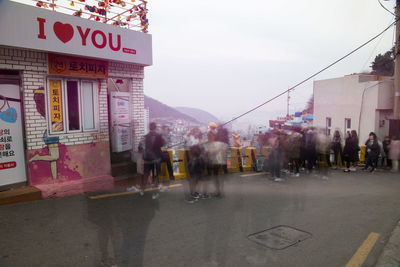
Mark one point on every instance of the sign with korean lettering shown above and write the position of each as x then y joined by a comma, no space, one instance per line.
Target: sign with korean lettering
12,160
74,66
56,109
30,27
121,131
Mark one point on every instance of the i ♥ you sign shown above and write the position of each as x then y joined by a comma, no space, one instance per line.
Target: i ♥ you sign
65,32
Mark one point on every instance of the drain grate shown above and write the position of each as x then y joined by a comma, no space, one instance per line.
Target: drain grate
279,237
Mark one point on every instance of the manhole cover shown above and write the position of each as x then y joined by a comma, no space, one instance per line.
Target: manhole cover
279,237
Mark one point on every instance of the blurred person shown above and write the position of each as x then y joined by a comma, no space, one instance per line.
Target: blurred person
165,158
337,148
310,149
350,151
152,154
212,132
217,158
196,163
295,140
275,157
394,153
372,152
356,150
323,145
385,155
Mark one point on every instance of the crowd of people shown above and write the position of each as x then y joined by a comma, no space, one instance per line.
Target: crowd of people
289,151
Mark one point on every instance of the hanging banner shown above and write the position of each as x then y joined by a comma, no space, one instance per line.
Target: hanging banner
74,66
12,160
44,30
56,109
121,134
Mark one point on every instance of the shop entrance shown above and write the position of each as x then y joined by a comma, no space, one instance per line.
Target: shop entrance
12,153
120,123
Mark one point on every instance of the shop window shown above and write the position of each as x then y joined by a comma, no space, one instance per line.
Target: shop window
72,105
347,125
328,125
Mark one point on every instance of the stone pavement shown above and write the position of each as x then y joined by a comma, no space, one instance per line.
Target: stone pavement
390,256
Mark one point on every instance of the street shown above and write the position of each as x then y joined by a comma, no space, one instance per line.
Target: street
339,212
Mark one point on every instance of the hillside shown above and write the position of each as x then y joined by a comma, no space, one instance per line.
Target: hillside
201,115
160,110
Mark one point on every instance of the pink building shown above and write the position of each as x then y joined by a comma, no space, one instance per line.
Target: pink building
71,97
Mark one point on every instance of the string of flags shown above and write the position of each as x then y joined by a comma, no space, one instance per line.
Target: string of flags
133,12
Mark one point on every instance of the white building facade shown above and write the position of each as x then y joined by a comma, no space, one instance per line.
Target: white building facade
60,77
359,102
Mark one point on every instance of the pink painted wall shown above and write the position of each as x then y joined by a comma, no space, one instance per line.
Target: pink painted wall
76,162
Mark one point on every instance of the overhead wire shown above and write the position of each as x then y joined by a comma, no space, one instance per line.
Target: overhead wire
312,76
386,8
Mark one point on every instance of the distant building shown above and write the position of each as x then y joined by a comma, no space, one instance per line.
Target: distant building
354,102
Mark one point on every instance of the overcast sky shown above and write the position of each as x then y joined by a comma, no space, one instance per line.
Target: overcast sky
228,56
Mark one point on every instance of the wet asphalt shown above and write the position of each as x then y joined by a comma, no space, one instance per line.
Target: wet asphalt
339,211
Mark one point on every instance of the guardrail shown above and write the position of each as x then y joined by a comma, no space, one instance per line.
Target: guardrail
237,162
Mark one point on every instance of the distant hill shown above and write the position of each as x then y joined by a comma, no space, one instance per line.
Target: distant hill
160,110
201,115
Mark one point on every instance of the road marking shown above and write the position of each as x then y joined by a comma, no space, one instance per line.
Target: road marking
254,174
130,193
363,251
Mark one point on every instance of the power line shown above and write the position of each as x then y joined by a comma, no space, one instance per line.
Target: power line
312,76
386,8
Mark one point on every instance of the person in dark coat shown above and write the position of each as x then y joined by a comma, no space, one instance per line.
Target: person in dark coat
348,151
372,152
337,148
153,142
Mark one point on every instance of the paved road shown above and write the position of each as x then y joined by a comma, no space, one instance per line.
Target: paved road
340,212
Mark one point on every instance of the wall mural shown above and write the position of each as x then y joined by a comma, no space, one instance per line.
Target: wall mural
53,155
58,163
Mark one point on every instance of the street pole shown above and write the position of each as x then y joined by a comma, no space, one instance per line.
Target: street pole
288,99
396,107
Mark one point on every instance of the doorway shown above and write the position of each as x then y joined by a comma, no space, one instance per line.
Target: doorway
120,128
12,150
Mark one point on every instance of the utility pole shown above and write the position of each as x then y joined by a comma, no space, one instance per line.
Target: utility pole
288,99
396,107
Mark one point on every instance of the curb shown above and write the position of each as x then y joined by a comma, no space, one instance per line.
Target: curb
391,252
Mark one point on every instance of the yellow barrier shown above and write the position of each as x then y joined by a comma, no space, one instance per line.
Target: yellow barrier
363,149
164,175
183,166
236,160
250,160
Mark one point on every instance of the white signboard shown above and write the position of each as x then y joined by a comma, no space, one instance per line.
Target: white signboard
12,160
35,28
121,134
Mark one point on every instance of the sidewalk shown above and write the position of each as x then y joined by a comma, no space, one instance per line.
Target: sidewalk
390,256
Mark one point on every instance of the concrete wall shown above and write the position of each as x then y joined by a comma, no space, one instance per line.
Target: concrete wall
70,164
356,97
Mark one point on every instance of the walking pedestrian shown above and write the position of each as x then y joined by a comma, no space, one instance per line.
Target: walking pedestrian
372,152
394,153
152,157
337,148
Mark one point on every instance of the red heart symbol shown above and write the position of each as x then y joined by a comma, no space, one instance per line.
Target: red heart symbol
64,32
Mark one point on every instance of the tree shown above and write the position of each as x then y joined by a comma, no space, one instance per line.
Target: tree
383,64
310,106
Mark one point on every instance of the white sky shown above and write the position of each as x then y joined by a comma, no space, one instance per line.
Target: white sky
228,56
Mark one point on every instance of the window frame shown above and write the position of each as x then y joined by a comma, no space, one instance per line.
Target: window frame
95,84
65,89
328,125
64,95
346,122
